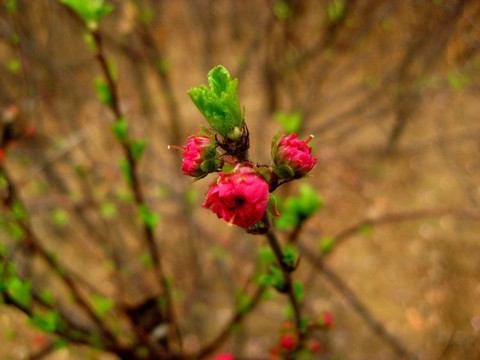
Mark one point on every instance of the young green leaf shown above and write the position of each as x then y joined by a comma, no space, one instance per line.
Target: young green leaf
20,291
102,306
138,146
326,244
103,91
48,322
150,218
292,123
299,208
120,129
126,171
108,210
298,290
91,11
219,104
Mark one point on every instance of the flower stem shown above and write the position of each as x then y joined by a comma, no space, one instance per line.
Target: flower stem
274,243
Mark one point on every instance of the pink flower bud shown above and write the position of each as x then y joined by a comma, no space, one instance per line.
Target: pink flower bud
287,342
224,356
239,197
274,351
200,156
316,347
327,319
292,157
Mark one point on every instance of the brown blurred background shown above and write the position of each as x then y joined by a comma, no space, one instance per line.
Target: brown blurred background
388,88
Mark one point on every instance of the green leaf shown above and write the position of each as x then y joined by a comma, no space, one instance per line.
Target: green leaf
108,210
91,11
47,297
366,229
138,146
59,217
282,10
243,301
103,91
3,250
292,123
151,219
290,255
60,343
102,306
219,104
18,211
337,10
163,65
297,209
126,171
458,81
326,244
20,291
146,260
112,70
298,290
14,66
11,5
277,277
90,41
48,322
266,255
191,196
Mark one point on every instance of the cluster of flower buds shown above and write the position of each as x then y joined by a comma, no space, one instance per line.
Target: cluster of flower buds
240,194
288,342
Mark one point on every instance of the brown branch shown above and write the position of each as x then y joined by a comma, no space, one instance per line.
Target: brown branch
376,326
32,241
228,328
274,243
136,186
402,216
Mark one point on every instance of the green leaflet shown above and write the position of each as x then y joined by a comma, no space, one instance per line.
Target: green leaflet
91,11
219,104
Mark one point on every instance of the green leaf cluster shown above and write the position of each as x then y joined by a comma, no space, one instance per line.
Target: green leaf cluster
219,104
91,11
273,278
20,291
297,209
290,255
49,322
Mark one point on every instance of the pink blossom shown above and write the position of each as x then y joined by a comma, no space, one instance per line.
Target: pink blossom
239,197
224,356
197,150
292,157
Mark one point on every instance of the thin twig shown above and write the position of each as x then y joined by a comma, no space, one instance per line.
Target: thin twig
228,328
376,326
402,216
274,243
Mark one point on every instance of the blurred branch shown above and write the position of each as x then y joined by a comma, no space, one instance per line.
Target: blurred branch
227,330
344,234
137,188
31,240
376,326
